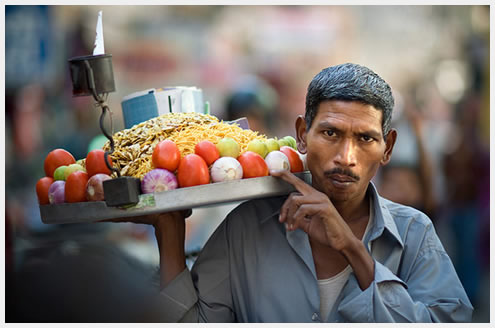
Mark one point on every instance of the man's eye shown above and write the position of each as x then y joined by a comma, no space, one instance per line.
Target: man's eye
366,138
330,133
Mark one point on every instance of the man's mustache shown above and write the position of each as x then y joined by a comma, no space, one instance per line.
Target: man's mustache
342,171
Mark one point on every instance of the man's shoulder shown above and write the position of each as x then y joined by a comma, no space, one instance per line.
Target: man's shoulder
415,228
257,210
404,215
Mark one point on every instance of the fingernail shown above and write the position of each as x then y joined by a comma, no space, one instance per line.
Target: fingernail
286,226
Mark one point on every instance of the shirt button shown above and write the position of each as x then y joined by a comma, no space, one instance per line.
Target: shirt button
314,317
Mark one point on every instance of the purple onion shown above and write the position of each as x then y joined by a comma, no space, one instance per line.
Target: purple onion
158,180
56,192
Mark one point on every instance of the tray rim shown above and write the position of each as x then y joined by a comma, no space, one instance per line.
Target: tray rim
177,199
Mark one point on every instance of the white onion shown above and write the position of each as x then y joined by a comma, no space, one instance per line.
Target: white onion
94,187
225,169
277,161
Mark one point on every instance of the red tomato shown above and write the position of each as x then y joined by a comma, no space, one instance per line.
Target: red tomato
253,165
192,171
42,187
75,187
208,151
95,163
56,158
166,155
296,164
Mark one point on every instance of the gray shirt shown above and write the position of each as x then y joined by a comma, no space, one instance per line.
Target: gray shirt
253,270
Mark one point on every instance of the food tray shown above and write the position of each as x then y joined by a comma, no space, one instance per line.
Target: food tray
177,199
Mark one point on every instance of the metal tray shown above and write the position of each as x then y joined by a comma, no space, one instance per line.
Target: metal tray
177,199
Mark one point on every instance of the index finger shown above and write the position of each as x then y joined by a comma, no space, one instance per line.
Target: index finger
289,177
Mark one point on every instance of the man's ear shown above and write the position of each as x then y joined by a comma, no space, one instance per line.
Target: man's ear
301,134
389,146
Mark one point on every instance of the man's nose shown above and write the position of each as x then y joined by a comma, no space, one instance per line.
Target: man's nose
346,154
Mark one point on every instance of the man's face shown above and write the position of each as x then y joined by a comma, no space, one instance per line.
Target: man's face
345,147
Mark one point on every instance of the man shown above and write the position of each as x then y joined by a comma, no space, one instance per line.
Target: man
333,251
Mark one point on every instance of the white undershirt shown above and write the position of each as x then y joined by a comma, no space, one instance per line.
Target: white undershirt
330,288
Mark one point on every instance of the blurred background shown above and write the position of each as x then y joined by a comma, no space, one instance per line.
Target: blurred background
252,61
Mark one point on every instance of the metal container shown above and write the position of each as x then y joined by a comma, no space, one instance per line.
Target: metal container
144,105
91,72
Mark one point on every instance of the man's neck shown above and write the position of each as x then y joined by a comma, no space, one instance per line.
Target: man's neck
329,262
353,209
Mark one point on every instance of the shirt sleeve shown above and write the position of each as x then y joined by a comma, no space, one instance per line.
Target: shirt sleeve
179,298
431,291
203,294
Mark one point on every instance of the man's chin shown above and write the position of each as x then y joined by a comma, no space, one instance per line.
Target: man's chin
339,197
339,194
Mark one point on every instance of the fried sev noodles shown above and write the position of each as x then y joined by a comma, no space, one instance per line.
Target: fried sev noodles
134,147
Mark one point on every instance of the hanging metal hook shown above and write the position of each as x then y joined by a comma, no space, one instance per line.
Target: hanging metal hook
100,102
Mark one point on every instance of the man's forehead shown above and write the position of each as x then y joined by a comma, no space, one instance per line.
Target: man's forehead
350,108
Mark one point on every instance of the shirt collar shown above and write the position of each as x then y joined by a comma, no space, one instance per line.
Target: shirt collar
383,220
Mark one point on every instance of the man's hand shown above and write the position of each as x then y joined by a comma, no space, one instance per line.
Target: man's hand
312,211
